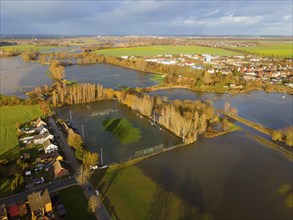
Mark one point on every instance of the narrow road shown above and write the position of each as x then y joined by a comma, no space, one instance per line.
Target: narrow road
50,186
101,212
69,154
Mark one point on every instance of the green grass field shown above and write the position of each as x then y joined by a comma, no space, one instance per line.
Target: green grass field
26,47
9,116
272,48
123,130
129,194
75,203
164,49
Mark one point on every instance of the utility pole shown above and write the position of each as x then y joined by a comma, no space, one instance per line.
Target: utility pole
70,116
102,156
82,130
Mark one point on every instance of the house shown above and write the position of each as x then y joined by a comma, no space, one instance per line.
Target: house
27,139
40,122
29,130
41,138
22,209
45,158
13,212
49,147
3,212
40,203
60,169
42,129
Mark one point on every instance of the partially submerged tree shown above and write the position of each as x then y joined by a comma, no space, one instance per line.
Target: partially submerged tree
74,140
277,135
57,70
90,159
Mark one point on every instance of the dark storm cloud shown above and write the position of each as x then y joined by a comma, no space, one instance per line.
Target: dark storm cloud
146,17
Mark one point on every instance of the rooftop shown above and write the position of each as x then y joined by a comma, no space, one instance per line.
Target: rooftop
38,200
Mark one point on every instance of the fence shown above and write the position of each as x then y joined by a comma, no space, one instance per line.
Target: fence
148,151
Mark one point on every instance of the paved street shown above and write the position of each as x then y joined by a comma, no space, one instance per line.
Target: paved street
50,186
102,212
69,154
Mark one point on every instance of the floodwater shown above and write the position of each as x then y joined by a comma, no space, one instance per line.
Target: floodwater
18,77
229,177
96,137
109,75
273,110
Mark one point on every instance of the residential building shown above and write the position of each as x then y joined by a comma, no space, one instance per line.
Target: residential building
41,138
13,212
60,169
40,122
49,147
40,203
45,158
3,212
42,129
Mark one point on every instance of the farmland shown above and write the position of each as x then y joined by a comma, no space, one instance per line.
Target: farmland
164,49
129,194
271,48
25,48
9,116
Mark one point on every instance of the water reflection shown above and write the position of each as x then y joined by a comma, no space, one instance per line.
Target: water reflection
230,177
273,110
96,137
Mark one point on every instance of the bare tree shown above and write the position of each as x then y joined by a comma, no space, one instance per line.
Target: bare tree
93,203
82,176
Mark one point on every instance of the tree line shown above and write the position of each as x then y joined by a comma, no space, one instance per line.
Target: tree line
186,119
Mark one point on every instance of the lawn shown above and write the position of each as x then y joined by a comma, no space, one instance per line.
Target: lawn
9,116
75,203
129,194
272,48
164,49
26,47
122,129
5,186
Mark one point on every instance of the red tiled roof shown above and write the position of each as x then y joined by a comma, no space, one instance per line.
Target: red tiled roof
13,210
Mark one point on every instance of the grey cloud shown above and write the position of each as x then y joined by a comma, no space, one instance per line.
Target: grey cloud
146,17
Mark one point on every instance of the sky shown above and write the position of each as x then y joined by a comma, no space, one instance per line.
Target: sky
148,17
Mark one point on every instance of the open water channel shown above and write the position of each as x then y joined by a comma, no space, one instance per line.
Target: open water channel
229,177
